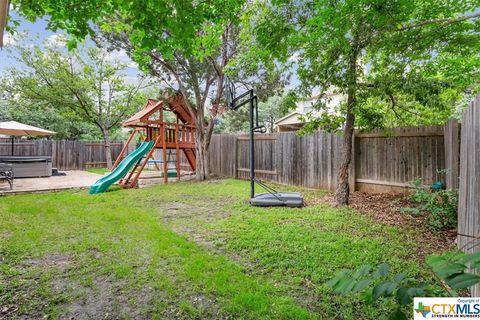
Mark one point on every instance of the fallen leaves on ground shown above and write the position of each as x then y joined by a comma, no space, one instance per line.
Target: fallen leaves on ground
386,208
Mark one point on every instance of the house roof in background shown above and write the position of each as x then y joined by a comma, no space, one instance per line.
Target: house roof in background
318,95
290,118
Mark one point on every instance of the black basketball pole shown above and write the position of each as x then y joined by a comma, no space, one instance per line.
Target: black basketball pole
272,197
252,149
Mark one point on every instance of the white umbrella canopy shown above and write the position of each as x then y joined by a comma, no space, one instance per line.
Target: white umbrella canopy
14,128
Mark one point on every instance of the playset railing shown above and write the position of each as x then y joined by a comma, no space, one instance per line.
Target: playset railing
174,133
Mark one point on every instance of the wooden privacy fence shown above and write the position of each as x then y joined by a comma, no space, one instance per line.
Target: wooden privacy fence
388,162
66,155
381,162
469,190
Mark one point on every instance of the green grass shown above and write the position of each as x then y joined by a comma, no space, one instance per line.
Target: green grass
98,170
186,250
102,171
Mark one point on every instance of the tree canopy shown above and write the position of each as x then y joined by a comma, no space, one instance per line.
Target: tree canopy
194,27
238,121
414,59
400,61
74,88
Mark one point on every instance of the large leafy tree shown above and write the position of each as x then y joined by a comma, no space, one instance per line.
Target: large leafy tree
47,116
200,80
186,42
81,86
395,59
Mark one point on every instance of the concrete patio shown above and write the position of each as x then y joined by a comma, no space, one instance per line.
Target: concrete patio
77,179
73,180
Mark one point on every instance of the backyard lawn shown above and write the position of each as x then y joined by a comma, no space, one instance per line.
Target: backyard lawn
98,170
187,250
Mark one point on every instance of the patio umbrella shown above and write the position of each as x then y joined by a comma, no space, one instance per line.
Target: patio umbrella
14,128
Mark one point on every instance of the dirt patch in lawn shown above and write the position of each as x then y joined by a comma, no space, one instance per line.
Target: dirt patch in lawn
102,300
185,218
48,261
5,235
20,295
188,219
111,298
386,208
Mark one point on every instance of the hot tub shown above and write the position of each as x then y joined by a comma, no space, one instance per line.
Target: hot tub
29,166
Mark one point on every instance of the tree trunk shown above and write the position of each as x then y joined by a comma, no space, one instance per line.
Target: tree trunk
108,150
343,190
203,136
202,171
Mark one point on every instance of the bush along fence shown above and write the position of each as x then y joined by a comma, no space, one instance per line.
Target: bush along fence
66,155
382,162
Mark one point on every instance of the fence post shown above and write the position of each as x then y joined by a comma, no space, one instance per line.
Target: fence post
452,153
235,159
54,153
81,155
351,171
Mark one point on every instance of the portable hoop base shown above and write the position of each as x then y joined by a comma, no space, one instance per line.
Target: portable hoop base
288,199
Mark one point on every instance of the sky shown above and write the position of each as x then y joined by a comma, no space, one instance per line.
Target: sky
37,34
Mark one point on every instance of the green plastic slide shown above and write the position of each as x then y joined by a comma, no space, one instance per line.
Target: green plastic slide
122,169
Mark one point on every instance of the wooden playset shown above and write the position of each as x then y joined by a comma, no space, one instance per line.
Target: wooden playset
151,124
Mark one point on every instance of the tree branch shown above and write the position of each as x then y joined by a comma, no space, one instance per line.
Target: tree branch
443,22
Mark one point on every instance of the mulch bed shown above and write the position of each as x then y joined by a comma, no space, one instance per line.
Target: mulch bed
386,208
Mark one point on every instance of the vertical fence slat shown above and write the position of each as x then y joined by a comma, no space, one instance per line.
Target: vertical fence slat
452,159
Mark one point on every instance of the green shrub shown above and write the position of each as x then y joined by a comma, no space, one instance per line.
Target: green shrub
440,206
451,272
